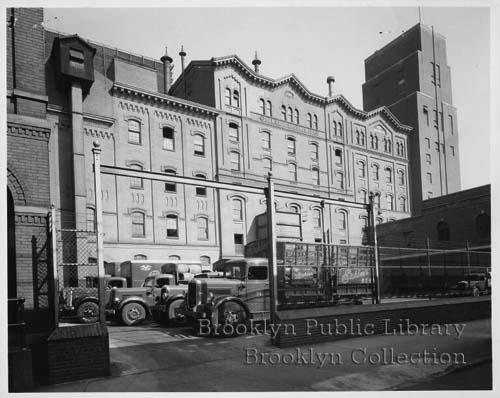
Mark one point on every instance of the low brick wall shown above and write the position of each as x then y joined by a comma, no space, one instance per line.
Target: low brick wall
78,352
364,320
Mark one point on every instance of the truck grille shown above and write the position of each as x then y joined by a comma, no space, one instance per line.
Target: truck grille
197,292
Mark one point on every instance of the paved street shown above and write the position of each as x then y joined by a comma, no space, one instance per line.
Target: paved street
150,358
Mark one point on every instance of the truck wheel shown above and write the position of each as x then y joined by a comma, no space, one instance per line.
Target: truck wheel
88,312
228,317
133,314
176,318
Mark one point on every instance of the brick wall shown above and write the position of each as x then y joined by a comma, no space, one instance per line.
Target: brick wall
78,352
439,311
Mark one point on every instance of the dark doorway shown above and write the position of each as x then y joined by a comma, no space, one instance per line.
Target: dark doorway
11,244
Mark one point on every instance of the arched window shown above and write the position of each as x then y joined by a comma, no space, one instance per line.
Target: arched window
202,223
401,177
266,139
174,257
201,191
228,96
315,126
296,116
314,151
362,169
309,120
362,138
342,220
236,99
168,138
172,226
136,182
389,145
237,208
283,112
316,218
335,128
170,186
385,144
262,105
357,137
291,146
371,140
292,171
376,143
234,160
290,114
294,208
363,195
140,257
402,204
199,145
205,260
376,200
388,175
134,132
234,134
483,225
375,172
315,176
390,202
91,219
138,229
269,108
443,231
268,164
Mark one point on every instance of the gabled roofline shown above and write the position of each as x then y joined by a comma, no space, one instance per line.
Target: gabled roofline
295,81
165,99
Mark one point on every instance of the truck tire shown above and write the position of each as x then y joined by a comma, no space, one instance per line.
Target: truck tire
229,313
133,314
172,318
88,312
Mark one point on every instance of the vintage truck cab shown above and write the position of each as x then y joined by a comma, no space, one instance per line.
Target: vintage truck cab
241,294
84,303
132,305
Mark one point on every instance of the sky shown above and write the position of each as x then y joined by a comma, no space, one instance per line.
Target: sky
312,43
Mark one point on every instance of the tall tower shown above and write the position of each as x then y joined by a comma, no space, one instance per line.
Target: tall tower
411,76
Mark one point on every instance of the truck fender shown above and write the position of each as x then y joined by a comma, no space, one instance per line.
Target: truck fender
173,298
135,299
79,300
224,299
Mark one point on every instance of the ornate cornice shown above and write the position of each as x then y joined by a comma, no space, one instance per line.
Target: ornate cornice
27,131
30,219
98,133
162,99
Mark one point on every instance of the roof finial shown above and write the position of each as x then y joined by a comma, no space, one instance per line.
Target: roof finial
256,62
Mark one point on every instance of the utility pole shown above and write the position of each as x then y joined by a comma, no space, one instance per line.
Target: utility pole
99,229
375,245
271,253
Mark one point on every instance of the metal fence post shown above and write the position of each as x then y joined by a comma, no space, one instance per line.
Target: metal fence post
271,237
428,246
375,247
467,248
55,275
99,232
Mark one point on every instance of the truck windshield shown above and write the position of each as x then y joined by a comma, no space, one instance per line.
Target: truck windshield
235,270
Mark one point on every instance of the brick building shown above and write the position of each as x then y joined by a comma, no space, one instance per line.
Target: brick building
411,76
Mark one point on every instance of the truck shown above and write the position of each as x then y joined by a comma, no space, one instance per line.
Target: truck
82,301
133,305
309,275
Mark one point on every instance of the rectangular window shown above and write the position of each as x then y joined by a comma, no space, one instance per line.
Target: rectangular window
138,224
291,146
436,120
202,228
233,132
452,150
428,158
338,156
172,227
266,140
201,191
438,75
234,159
429,178
437,146
239,247
428,142
340,180
451,123
314,151
170,186
268,164
426,115
134,132
168,139
292,171
199,145
136,182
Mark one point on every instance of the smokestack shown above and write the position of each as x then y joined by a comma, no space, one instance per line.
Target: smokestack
167,71
256,62
330,80
182,53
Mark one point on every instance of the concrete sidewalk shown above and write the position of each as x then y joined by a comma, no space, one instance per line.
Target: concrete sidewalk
251,363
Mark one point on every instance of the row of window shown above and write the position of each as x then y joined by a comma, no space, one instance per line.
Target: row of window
203,259
135,137
439,148
376,173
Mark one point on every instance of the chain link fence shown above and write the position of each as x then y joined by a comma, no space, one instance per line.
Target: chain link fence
77,274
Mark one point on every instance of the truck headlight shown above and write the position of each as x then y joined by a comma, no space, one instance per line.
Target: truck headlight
116,300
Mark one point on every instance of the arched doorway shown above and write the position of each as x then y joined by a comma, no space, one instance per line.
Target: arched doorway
11,244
